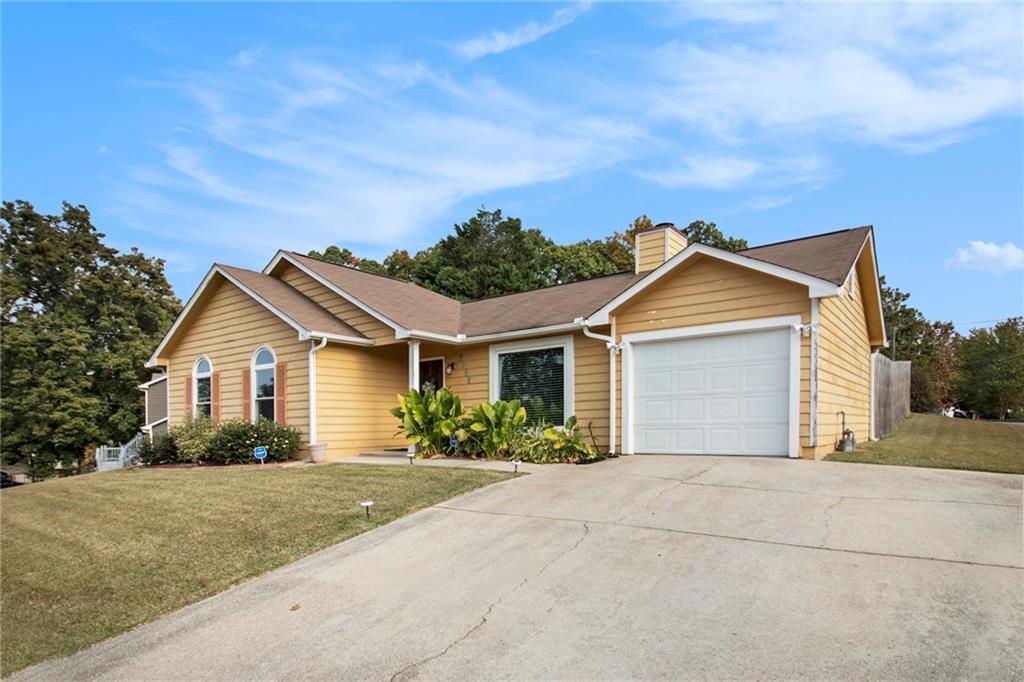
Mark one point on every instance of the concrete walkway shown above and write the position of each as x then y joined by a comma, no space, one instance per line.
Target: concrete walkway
642,567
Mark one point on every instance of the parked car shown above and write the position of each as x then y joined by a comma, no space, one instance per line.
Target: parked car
960,414
7,481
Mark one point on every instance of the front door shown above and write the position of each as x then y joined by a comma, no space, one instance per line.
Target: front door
432,372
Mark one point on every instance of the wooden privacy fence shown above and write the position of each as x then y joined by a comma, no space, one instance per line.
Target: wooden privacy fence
891,393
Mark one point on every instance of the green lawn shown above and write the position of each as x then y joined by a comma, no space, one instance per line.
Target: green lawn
89,557
925,440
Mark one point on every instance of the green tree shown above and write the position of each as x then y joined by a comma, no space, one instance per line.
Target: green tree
992,379
489,255
79,319
700,232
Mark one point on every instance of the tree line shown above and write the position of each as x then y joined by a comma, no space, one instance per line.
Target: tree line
981,372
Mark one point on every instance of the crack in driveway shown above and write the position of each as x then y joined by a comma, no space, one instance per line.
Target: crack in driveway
412,667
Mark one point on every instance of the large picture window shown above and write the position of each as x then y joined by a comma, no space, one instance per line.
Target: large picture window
263,365
538,373
202,390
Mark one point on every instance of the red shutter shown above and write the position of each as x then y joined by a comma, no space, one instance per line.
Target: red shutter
281,393
188,397
215,396
246,395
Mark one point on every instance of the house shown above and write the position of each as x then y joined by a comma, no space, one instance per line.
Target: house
698,350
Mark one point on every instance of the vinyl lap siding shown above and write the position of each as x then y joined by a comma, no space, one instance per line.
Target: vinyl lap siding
709,291
365,324
650,247
844,368
228,328
356,388
156,401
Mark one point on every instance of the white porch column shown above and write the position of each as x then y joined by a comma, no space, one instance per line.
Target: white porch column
414,373
414,364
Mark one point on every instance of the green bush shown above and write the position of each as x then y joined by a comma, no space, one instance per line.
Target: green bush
235,439
192,439
494,428
430,419
547,444
159,449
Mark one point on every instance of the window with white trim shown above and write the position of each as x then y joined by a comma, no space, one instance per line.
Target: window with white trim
539,374
263,365
202,389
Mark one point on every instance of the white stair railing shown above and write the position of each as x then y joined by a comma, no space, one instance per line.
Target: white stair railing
118,456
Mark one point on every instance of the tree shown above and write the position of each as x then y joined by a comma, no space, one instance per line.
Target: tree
489,255
79,321
700,232
992,381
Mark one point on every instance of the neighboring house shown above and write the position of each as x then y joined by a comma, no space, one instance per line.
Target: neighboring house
698,350
156,405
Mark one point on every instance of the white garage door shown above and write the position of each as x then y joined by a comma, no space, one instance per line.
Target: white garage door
720,395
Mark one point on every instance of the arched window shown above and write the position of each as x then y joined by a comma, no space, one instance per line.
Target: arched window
202,377
263,363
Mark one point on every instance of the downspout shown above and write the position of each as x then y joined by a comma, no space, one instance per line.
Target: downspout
613,350
314,348
813,416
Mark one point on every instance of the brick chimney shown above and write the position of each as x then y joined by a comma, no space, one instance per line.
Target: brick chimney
656,246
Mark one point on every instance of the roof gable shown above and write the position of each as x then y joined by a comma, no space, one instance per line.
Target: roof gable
828,256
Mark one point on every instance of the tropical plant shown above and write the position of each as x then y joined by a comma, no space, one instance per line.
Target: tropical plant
550,444
494,428
430,419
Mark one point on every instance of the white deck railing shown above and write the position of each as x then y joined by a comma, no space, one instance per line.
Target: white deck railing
118,456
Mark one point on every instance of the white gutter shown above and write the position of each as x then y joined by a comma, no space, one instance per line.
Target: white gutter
314,348
463,339
613,350
355,340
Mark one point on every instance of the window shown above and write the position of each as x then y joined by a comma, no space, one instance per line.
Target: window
202,376
263,364
538,373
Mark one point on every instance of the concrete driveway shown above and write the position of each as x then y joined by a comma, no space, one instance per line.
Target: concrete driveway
642,567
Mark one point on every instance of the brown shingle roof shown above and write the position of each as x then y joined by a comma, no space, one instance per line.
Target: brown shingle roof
291,302
407,304
542,307
826,256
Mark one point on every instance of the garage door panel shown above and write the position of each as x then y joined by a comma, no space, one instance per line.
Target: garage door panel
724,394
655,383
762,376
691,410
729,378
765,439
688,380
764,408
724,409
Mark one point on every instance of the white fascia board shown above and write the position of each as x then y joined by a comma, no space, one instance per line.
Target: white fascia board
816,286
340,338
146,385
482,338
283,255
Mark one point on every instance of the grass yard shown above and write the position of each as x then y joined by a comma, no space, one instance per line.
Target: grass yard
89,557
925,440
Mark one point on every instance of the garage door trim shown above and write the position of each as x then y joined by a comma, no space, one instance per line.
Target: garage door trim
793,322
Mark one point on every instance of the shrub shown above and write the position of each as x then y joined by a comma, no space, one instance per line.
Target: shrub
548,444
192,439
234,441
159,449
494,428
430,419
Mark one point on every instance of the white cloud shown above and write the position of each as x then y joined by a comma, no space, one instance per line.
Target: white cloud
910,75
734,172
990,257
501,41
245,58
103,150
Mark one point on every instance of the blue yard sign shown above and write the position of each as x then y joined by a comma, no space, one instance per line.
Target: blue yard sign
453,442
260,453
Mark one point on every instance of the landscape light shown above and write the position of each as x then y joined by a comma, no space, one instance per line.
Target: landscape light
516,464
366,505
411,456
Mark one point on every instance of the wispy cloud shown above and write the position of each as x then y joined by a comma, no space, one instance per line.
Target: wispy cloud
729,172
501,41
989,257
914,76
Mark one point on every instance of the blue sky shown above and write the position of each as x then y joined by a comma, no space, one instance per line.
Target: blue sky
206,133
